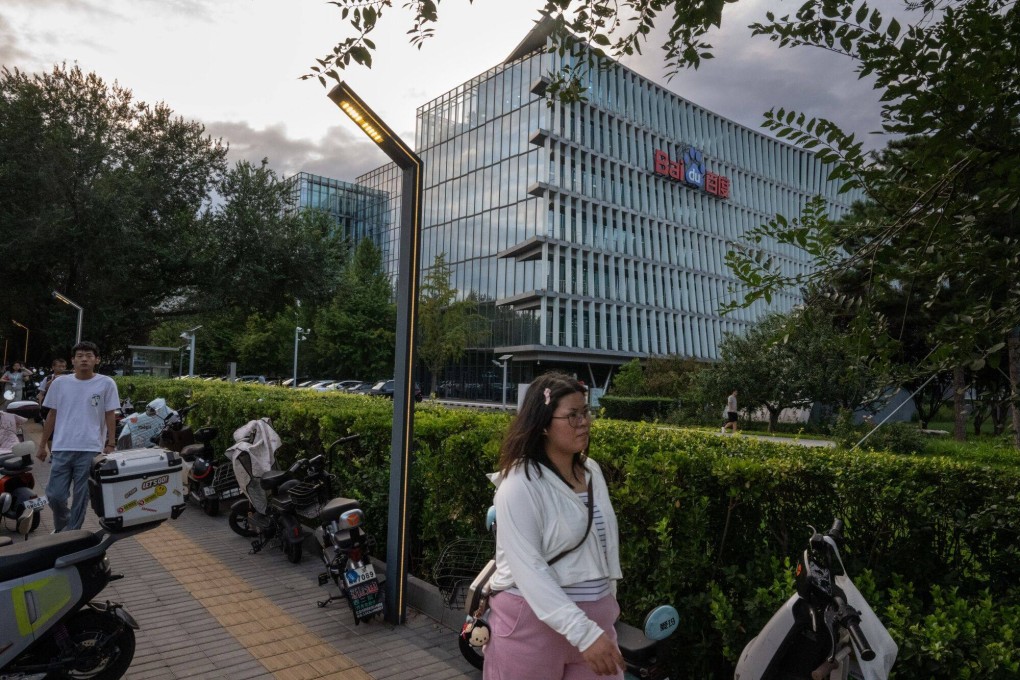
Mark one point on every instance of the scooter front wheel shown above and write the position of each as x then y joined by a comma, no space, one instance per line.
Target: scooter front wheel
211,506
240,519
292,551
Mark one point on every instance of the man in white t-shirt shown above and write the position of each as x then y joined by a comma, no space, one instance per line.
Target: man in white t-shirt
82,423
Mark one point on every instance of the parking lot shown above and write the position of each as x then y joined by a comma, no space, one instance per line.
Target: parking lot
209,609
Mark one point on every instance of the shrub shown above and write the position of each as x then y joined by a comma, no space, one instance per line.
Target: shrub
637,408
708,524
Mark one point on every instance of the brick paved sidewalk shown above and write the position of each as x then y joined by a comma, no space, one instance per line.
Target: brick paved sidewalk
208,609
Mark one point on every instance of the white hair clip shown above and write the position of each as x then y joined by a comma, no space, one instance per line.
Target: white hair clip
548,396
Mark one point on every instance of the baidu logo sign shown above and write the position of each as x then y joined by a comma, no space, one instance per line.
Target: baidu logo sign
690,170
694,167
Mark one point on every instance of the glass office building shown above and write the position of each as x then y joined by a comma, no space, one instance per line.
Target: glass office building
360,211
596,232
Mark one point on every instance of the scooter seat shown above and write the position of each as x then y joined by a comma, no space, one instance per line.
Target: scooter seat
192,451
30,557
633,644
272,479
337,507
16,463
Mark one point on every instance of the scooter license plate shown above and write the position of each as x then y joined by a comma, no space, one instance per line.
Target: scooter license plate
230,493
208,491
37,503
360,575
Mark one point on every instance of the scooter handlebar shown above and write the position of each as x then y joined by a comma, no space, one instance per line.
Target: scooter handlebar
864,649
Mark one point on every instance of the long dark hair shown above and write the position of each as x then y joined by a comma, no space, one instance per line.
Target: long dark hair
524,443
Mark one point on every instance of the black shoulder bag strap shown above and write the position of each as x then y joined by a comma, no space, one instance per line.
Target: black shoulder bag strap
591,517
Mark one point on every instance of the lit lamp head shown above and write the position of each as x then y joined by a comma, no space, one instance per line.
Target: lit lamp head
350,103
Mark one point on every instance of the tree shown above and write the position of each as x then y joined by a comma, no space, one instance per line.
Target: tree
99,199
259,253
355,334
446,326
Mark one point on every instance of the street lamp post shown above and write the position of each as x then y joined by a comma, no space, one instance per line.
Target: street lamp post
299,335
407,311
67,301
503,362
190,337
21,325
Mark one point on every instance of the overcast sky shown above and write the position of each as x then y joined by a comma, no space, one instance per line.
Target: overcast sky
234,66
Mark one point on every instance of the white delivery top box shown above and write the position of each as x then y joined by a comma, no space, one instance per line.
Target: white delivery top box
136,486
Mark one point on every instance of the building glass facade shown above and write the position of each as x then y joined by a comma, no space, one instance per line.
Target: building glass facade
361,211
596,232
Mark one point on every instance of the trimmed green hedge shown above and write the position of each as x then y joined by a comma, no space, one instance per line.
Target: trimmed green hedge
638,408
710,524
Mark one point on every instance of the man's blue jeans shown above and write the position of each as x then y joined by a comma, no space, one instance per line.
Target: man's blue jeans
68,467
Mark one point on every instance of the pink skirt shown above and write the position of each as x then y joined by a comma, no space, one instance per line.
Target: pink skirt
522,647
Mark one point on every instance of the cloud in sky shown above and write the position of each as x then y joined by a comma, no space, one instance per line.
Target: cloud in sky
342,152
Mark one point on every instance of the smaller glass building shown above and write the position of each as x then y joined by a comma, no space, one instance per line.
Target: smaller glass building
360,210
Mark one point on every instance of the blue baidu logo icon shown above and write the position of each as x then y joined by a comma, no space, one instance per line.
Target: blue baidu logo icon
694,167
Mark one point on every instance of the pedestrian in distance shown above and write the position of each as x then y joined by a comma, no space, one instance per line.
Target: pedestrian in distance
14,380
557,546
82,423
58,367
731,413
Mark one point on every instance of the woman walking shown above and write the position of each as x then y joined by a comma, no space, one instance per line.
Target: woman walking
557,548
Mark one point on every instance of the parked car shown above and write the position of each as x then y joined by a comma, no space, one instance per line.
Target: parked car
346,385
254,379
324,386
363,388
385,388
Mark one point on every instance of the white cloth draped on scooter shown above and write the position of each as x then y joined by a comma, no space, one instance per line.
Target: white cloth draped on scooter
252,455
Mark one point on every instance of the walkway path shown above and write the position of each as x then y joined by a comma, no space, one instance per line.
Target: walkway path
208,609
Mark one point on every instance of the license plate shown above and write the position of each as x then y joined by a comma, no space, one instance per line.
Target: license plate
37,503
230,493
360,575
208,491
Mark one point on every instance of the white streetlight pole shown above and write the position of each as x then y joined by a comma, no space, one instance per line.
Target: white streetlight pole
190,337
503,362
67,301
299,335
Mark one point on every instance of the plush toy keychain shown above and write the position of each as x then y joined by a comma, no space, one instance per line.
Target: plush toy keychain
475,631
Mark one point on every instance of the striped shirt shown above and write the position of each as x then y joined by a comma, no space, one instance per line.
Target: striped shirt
596,589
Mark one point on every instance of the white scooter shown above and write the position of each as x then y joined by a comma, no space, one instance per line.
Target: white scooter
826,631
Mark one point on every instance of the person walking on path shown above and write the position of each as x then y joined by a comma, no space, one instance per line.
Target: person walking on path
81,422
14,380
557,547
731,413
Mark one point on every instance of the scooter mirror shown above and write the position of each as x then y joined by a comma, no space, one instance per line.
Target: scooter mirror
6,501
9,395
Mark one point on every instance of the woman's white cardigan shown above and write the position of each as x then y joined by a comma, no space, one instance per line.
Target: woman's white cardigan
539,518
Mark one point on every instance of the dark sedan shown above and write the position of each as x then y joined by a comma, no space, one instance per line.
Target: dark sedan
384,388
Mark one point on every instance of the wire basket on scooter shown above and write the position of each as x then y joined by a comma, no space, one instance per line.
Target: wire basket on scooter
225,481
458,566
309,497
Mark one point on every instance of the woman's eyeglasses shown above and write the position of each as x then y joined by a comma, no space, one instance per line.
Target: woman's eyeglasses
576,418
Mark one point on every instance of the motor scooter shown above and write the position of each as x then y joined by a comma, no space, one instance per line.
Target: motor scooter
18,499
278,502
345,548
266,513
208,481
17,484
50,625
826,630
641,648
